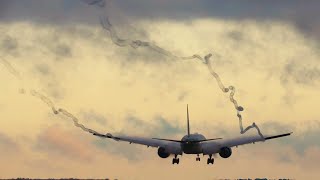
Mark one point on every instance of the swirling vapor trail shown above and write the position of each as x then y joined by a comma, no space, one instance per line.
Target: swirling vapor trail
105,23
45,99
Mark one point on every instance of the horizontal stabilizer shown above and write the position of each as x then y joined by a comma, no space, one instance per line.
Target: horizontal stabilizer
167,140
209,139
187,141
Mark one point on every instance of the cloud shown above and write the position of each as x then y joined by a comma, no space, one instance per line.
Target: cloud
182,96
9,45
301,140
298,73
134,126
7,144
63,144
44,69
296,12
89,115
111,81
62,50
167,127
159,126
4,7
130,152
236,36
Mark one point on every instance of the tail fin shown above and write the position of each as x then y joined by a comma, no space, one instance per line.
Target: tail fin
188,120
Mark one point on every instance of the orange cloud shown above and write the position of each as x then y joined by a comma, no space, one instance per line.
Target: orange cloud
64,143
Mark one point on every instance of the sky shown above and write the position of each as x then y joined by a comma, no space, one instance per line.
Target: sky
268,50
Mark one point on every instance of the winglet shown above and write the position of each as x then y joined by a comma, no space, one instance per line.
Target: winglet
278,136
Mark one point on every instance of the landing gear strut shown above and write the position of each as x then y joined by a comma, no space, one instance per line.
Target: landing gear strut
210,159
175,159
198,158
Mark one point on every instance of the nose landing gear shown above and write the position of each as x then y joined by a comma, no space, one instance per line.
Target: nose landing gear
175,160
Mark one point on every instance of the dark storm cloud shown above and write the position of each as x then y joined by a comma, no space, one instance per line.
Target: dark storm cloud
4,7
46,11
300,13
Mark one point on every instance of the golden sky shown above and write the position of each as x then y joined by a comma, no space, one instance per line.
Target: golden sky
273,65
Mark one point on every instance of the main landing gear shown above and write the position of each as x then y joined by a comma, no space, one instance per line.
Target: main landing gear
198,158
175,159
210,160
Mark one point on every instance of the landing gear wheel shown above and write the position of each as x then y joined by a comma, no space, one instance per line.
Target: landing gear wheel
175,161
198,158
210,161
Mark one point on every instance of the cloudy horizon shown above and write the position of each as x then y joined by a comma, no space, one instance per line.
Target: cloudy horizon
268,50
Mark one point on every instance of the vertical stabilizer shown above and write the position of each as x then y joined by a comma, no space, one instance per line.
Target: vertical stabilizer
188,120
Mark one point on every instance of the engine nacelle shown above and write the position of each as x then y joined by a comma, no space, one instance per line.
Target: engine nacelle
225,152
162,152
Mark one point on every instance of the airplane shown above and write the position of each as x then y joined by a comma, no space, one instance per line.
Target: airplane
192,144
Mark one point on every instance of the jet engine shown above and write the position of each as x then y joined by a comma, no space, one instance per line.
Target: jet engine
225,152
162,152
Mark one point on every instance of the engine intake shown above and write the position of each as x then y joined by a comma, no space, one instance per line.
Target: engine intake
225,152
162,152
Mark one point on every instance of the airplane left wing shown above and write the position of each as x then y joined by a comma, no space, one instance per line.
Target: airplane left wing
250,139
215,146
138,140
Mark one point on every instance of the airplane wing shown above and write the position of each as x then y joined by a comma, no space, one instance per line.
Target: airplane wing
249,139
214,146
138,140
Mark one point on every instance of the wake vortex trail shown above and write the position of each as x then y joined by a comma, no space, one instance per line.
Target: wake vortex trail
105,23
62,111
45,99
12,71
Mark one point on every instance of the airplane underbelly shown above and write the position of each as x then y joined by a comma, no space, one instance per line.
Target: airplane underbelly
192,148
